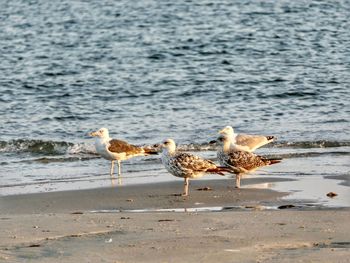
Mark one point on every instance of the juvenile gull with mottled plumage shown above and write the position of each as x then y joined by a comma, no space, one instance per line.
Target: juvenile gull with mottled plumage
116,150
186,165
231,155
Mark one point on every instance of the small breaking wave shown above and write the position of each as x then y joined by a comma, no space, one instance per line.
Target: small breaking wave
47,148
79,151
62,147
41,147
35,146
81,148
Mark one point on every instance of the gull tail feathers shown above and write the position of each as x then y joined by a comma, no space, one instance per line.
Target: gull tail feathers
237,170
150,151
273,161
271,138
221,170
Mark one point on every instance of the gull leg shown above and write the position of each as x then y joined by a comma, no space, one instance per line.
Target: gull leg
112,168
238,180
119,173
186,183
112,173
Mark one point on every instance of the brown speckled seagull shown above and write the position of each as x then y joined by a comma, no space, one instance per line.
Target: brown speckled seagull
186,165
247,142
231,155
116,150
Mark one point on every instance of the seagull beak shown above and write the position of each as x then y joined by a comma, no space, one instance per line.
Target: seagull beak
160,146
93,134
212,142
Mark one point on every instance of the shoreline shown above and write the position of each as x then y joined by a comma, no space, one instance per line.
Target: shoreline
143,196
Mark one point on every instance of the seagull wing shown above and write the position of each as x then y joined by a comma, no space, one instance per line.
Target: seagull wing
253,141
245,160
119,146
187,161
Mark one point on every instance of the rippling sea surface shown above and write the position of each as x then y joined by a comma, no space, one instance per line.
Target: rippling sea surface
148,70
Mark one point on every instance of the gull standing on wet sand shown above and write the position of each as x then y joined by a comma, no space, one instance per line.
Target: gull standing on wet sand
231,155
117,150
246,142
186,165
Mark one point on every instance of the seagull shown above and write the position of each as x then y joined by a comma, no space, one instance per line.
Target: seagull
186,165
117,150
246,142
230,155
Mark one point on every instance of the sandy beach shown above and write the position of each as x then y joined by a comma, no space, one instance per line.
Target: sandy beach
148,223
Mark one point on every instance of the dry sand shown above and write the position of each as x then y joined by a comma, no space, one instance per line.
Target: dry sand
60,227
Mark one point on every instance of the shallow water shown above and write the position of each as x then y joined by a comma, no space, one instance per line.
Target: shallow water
156,69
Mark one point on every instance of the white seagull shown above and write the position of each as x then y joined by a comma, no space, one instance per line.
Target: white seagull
230,155
186,165
246,142
116,150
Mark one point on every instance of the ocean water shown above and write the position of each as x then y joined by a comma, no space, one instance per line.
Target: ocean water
150,70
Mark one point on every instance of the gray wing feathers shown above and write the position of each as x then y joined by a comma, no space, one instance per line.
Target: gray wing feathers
253,141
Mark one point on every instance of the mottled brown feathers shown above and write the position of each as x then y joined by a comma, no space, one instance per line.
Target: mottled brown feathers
192,162
119,146
247,160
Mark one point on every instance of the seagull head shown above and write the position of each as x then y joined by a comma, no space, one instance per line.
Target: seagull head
168,145
228,130
223,139
101,133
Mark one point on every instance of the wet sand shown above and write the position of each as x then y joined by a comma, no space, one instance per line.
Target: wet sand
154,196
103,225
